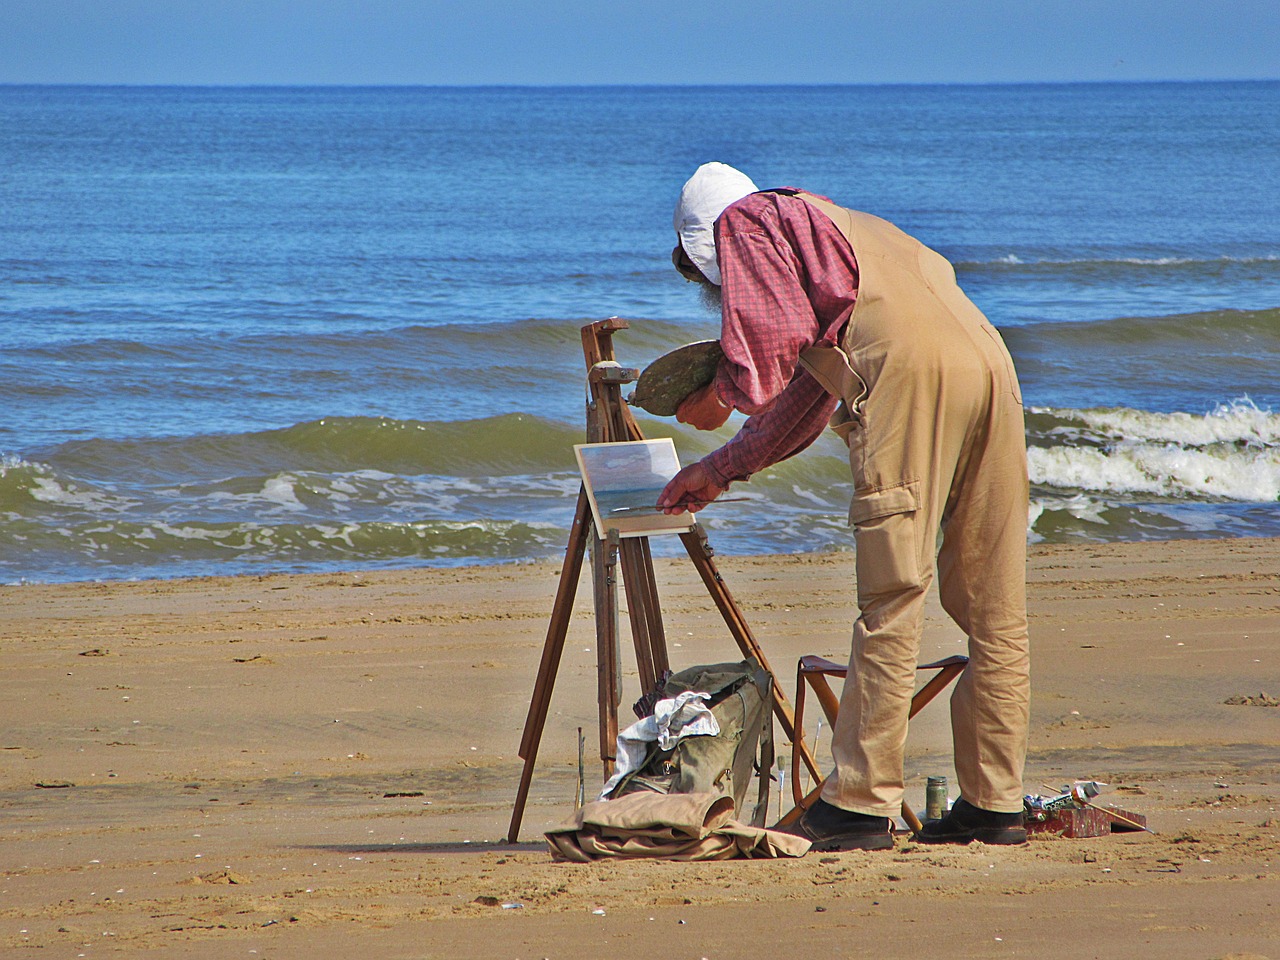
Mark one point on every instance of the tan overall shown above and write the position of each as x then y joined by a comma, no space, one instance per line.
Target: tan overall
933,417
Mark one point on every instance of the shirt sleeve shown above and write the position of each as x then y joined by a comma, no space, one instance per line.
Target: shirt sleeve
766,320
788,426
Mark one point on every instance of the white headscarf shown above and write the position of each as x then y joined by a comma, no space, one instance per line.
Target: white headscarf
703,198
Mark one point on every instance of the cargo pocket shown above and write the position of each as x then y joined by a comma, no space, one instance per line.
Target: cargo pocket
886,525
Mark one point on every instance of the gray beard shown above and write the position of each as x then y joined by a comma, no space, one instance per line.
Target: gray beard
711,296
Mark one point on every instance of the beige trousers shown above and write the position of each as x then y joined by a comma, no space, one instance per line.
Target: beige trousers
937,444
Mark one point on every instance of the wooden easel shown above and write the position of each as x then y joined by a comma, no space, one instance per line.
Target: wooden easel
610,420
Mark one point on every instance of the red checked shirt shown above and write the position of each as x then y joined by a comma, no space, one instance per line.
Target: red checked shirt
789,280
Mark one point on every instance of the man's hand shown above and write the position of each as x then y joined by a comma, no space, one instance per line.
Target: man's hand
703,409
690,489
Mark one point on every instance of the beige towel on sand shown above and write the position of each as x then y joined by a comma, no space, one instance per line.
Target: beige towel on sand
677,826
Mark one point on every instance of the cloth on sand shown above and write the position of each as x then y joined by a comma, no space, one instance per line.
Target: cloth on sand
674,826
671,721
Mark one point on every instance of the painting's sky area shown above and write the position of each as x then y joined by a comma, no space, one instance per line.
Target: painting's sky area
658,42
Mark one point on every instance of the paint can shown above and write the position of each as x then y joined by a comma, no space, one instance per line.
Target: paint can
935,798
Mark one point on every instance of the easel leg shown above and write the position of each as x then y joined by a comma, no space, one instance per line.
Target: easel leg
632,573
657,635
604,561
645,613
552,650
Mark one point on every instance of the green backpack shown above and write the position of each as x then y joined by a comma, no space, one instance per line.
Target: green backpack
742,703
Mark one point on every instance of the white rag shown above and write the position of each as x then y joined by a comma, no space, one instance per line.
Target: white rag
703,198
684,716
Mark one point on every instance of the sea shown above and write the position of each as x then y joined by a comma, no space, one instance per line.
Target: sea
248,330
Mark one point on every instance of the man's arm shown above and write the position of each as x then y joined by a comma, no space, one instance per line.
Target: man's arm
790,425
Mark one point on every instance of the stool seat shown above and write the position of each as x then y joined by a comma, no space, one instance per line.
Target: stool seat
813,671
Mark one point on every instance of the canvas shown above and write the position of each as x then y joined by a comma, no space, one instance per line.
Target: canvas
623,482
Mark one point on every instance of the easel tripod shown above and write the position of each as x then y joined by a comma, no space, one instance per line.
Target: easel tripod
610,420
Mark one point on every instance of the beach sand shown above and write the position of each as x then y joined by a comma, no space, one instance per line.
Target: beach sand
324,767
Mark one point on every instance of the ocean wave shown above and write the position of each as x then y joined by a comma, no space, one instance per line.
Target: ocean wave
332,334
1015,260
511,444
1160,470
195,379
1174,362
29,551
1243,332
35,488
353,492
1094,518
1238,422
1229,453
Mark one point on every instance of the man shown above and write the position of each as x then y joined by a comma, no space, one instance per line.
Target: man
829,311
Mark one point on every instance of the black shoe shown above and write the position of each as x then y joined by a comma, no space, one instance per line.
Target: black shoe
966,823
832,829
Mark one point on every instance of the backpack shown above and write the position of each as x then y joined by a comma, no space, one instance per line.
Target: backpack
742,703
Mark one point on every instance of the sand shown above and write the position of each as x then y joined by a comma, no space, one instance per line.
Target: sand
324,766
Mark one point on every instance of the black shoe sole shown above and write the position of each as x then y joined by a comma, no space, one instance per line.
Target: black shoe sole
872,841
996,836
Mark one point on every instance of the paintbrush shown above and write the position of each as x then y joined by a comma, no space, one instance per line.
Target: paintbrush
683,503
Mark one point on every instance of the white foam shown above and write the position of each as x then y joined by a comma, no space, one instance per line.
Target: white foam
1240,421
47,489
1078,506
281,490
810,496
1248,475
1230,453
342,534
10,461
1134,261
192,533
1034,509
1162,261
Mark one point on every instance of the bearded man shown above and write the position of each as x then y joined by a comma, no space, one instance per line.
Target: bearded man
833,316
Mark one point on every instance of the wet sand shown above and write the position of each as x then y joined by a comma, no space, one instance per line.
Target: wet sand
324,767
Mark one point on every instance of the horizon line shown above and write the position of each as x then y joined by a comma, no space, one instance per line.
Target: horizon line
642,85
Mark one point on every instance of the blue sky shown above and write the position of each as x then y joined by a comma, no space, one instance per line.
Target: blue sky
643,41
